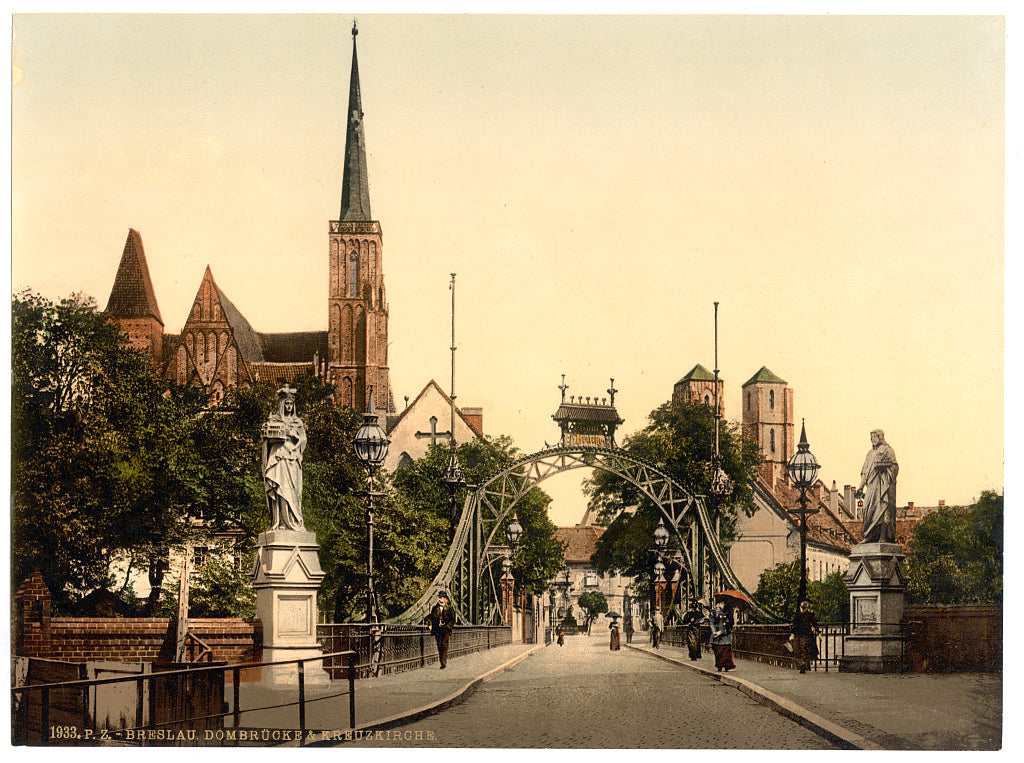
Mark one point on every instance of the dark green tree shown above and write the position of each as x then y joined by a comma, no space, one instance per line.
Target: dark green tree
594,604
681,438
778,587
957,555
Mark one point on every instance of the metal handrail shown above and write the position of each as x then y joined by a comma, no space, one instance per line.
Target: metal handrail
85,684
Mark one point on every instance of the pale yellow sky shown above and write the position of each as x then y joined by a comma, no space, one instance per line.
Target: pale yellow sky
596,182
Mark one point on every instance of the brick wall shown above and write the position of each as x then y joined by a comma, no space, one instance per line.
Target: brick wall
127,639
944,639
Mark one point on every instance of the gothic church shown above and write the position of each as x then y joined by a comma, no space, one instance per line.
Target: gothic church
218,348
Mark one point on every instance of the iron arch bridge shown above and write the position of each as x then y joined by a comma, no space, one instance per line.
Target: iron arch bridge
472,568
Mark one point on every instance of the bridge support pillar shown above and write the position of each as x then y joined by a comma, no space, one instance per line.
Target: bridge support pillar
286,576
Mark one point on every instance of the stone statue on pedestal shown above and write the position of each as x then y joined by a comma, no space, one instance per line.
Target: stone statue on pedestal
878,488
284,442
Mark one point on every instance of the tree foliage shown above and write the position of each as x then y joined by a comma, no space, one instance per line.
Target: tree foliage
957,555
107,457
778,589
681,438
594,603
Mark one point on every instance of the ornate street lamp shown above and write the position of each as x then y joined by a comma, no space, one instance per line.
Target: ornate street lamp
514,532
803,469
454,480
658,579
371,446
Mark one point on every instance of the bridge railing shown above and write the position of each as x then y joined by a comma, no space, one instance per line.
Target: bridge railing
385,649
767,643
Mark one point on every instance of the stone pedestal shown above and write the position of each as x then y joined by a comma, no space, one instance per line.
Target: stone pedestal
876,583
286,576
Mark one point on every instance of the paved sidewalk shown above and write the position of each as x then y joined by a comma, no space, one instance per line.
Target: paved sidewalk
914,711
383,702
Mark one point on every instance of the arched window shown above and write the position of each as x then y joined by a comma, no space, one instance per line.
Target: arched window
771,399
771,440
353,274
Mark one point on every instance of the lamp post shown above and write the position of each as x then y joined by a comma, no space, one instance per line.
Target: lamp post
513,533
660,542
803,469
371,446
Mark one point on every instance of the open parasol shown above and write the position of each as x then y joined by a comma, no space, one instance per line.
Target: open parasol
736,599
612,614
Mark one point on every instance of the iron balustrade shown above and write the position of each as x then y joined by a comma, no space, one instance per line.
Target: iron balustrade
83,730
767,643
386,649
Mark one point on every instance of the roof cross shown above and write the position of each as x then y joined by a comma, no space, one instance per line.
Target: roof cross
433,434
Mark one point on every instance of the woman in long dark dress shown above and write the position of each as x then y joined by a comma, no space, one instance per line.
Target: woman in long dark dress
805,634
692,621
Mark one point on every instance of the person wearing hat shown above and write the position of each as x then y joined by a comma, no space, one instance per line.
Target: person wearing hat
442,620
692,621
721,636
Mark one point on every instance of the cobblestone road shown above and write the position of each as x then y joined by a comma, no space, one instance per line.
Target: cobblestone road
584,696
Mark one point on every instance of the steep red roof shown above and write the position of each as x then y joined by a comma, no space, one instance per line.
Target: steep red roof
580,542
132,295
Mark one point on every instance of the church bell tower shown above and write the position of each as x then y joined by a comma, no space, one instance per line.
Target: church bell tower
357,331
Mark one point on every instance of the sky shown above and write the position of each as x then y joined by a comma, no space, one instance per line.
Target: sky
836,183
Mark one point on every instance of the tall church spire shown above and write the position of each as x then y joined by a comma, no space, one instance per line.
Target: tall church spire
355,187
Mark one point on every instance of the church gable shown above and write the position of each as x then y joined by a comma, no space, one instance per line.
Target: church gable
216,344
424,422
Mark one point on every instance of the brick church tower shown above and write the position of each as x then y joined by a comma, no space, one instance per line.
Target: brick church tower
768,418
357,332
132,305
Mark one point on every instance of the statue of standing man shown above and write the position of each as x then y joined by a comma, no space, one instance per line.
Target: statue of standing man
284,441
878,488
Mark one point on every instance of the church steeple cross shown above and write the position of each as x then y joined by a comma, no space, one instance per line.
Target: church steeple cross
433,434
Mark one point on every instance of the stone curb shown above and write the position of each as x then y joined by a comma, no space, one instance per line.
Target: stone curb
434,707
812,721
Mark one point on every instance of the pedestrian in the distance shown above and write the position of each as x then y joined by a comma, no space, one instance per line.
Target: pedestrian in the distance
628,628
442,620
721,636
657,626
805,634
691,622
616,643
561,638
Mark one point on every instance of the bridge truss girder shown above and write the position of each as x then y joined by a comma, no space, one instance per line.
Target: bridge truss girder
471,570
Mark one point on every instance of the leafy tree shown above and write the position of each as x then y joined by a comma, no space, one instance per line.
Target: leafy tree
778,586
830,598
679,437
957,555
217,589
107,457
593,603
778,589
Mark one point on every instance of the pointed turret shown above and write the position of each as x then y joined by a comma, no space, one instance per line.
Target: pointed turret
355,187
133,295
132,305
